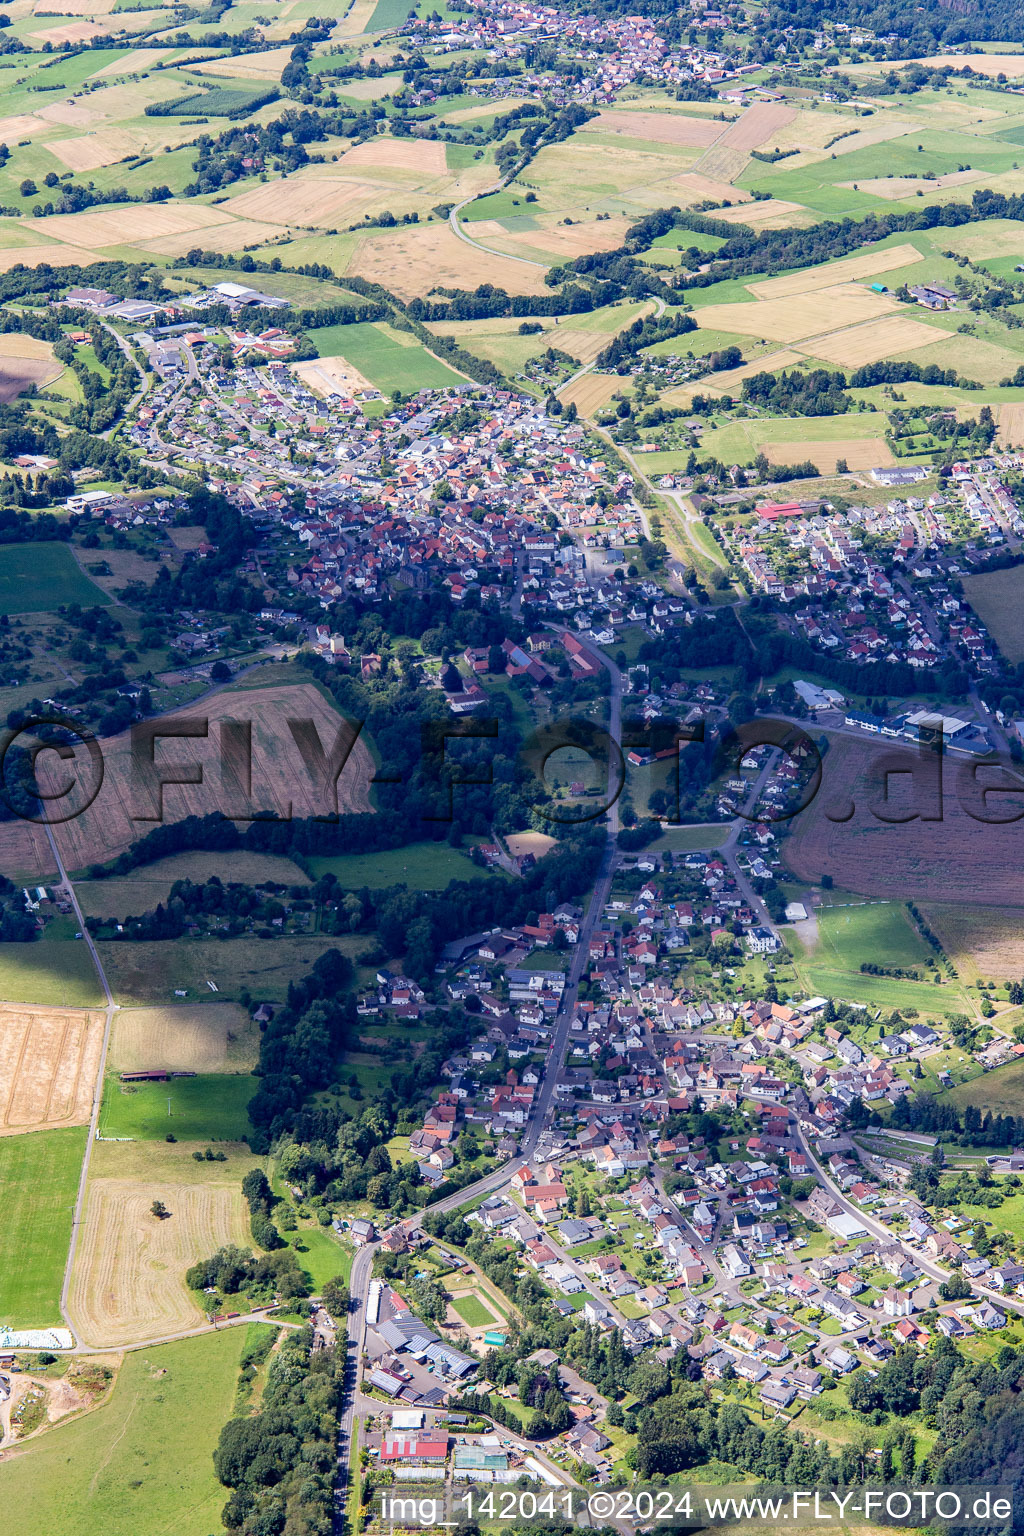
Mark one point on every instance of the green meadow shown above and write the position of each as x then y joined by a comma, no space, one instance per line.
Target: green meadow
38,1183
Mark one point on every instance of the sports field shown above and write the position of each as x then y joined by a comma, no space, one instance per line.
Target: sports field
142,1461
36,578
191,1108
472,1311
38,1182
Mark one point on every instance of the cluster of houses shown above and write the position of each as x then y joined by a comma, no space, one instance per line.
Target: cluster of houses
614,51
859,613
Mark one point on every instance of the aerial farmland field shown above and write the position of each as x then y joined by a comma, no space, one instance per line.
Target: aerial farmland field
38,1180
162,1421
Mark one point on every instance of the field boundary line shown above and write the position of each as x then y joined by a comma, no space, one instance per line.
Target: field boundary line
97,1094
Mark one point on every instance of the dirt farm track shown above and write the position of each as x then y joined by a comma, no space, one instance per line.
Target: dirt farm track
49,1058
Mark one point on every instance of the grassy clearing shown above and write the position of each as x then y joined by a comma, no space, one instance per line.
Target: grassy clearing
690,839
38,1180
36,578
210,1108
140,891
420,866
152,972
49,971
1001,1090
141,1461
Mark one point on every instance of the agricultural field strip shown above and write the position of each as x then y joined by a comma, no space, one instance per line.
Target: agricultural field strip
48,1064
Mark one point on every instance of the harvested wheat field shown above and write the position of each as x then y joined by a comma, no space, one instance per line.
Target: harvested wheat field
68,114
692,187
561,242
125,808
722,163
983,945
93,150
228,237
201,1037
49,1059
894,187
968,861
266,65
761,212
413,260
128,1282
424,158
1009,423
789,320
331,376
482,109
582,345
859,453
74,32
56,255
316,201
356,19
72,7
756,125
850,270
119,224
1009,64
25,360
658,127
591,392
863,344
21,127
139,60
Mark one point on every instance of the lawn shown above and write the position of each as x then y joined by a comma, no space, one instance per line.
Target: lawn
420,866
207,1108
472,1311
390,359
320,1254
36,578
142,1462
38,1180
695,839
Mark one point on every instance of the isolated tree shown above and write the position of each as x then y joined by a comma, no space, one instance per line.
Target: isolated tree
159,1210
